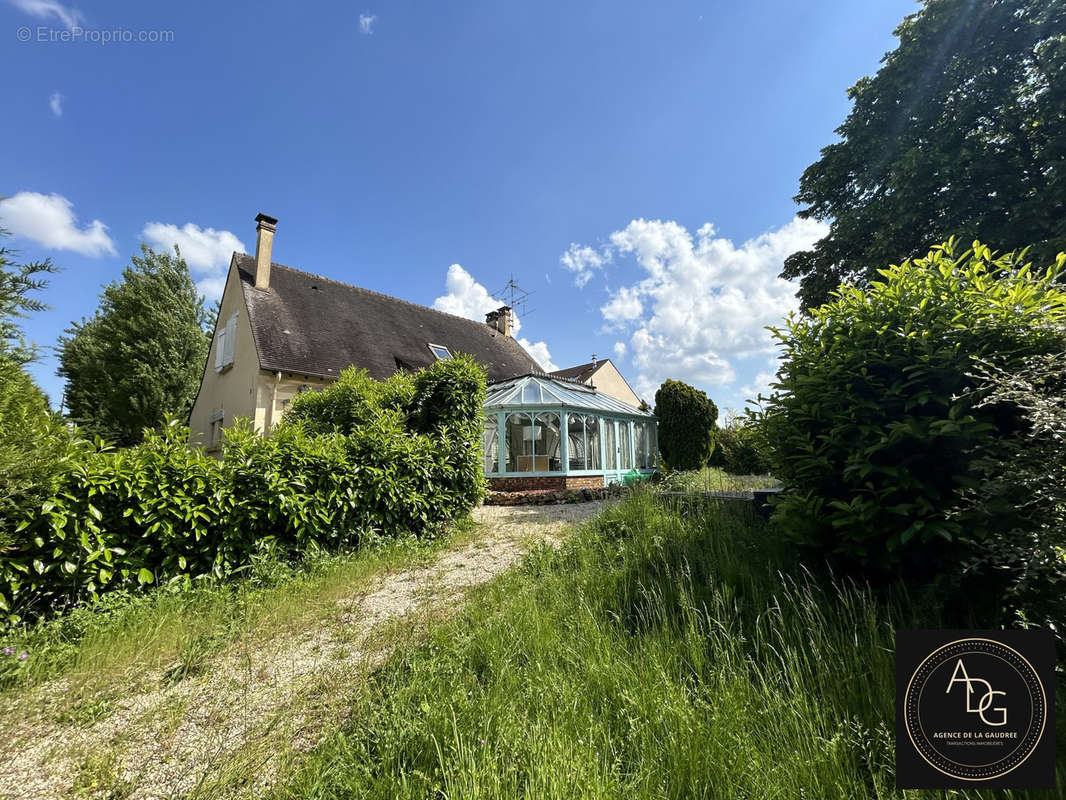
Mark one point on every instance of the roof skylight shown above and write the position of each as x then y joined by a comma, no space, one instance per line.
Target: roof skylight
440,351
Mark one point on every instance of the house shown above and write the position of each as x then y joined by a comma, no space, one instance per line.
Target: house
281,331
604,375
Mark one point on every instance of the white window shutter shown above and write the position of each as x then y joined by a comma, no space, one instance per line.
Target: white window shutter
231,337
220,347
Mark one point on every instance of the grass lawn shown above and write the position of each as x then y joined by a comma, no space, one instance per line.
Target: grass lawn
654,656
714,479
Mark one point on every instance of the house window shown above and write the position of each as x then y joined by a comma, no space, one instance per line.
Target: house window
227,336
214,433
583,434
533,443
440,351
625,460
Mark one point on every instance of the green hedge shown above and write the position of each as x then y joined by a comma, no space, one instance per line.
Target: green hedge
876,424
361,456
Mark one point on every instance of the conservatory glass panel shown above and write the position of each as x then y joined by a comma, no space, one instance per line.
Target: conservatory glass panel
547,456
653,445
610,445
519,443
640,445
576,440
625,460
531,393
592,443
490,445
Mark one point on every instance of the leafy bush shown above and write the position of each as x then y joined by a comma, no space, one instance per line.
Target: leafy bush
740,448
35,450
1023,569
876,423
354,399
342,467
687,419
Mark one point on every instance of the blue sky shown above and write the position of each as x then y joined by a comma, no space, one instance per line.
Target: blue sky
632,164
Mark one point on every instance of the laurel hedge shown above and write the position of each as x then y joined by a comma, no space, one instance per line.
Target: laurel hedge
360,458
877,423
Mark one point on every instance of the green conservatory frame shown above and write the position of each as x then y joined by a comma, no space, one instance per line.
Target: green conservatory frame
538,426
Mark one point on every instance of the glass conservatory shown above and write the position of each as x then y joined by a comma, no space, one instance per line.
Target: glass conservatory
544,432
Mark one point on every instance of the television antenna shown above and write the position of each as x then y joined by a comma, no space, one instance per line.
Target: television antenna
516,297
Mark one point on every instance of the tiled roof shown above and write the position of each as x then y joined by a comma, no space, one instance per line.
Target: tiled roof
311,325
582,372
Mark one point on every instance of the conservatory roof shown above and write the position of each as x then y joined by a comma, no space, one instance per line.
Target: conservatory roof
543,391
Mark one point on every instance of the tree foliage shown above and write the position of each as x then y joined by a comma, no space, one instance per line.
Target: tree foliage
34,444
141,356
687,420
962,131
17,282
876,424
741,448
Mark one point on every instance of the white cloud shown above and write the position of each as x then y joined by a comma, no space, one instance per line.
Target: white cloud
703,302
45,9
583,261
467,298
55,102
49,219
620,349
759,385
539,351
206,251
366,23
624,305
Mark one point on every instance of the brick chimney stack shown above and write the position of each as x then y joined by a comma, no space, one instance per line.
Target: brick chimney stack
264,245
500,319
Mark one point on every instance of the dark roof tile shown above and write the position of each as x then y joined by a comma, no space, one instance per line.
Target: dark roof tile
311,325
582,372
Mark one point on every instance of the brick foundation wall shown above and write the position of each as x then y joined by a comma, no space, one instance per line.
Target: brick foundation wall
546,482
584,482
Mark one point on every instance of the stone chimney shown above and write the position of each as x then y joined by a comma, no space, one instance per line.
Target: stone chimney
264,245
500,319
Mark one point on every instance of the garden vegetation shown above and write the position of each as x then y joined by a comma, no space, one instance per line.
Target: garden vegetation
662,653
359,459
687,420
915,428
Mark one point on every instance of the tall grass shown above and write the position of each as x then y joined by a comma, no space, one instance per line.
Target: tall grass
714,479
657,655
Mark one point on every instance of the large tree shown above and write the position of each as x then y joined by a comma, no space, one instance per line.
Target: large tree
141,355
962,131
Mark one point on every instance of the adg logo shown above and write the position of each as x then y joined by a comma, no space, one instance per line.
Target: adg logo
987,696
974,708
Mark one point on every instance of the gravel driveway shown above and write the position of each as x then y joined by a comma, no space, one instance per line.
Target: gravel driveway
258,705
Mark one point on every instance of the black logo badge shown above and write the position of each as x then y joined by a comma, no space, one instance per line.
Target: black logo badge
975,708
